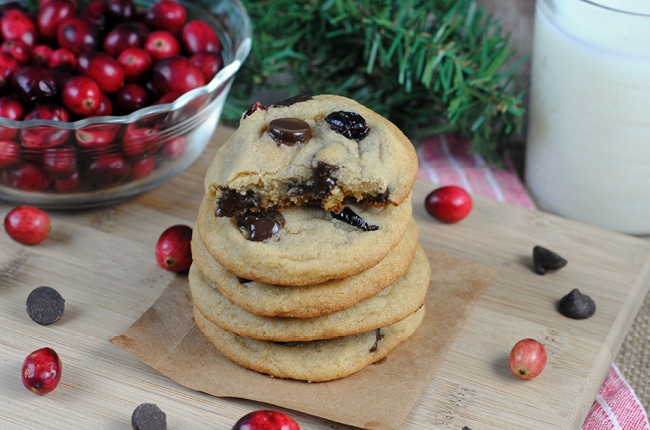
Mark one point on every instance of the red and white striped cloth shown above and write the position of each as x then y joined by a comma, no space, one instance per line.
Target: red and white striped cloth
446,160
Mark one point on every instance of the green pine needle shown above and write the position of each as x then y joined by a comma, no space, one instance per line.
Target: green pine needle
428,66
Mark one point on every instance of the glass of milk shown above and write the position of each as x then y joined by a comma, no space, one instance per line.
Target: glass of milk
588,143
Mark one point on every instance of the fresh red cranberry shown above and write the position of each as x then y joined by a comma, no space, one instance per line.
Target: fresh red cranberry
166,15
103,69
27,224
27,176
41,55
121,9
142,168
197,36
139,141
60,162
136,62
95,13
168,97
108,171
105,106
208,62
125,35
72,184
41,371
16,24
174,148
448,204
81,95
160,44
173,250
45,136
131,97
266,420
17,49
51,15
9,153
12,109
96,135
62,56
34,85
77,35
176,74
8,67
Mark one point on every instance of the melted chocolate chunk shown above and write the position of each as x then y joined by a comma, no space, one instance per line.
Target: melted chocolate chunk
378,337
260,227
289,131
254,108
348,216
349,124
292,100
323,181
232,203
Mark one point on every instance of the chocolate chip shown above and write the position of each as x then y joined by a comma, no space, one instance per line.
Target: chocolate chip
233,203
323,181
148,416
260,227
349,216
378,337
349,124
576,305
254,108
289,131
243,280
545,260
292,100
45,305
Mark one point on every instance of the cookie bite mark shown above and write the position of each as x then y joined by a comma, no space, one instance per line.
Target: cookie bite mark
289,131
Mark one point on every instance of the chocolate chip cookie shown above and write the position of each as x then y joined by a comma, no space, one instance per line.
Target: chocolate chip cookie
324,150
313,361
307,301
302,245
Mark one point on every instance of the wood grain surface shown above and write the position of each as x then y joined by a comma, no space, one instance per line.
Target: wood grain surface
102,261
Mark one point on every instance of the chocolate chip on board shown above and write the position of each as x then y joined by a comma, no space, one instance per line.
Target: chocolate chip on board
576,305
148,416
545,260
45,305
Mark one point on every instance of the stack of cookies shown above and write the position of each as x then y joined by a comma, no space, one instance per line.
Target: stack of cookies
306,257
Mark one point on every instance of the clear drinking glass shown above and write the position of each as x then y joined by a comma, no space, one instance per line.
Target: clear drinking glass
588,144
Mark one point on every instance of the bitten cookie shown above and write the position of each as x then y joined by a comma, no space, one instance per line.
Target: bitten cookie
302,245
308,301
392,304
324,150
314,361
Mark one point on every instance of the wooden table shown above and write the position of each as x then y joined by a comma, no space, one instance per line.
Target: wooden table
102,261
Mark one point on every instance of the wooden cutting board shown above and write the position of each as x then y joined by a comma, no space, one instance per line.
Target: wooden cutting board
102,261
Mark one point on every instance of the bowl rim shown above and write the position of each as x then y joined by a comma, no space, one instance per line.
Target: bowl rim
241,52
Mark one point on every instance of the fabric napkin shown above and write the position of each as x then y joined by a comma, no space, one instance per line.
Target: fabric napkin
447,160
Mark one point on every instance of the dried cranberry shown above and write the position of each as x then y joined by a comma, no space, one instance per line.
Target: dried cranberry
349,124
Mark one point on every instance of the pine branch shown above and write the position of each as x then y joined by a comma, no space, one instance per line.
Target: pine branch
428,66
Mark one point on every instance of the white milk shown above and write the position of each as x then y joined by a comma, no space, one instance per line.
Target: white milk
588,146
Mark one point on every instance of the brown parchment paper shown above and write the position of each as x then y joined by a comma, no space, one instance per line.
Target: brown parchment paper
378,397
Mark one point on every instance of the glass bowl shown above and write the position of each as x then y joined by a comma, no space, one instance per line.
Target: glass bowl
97,161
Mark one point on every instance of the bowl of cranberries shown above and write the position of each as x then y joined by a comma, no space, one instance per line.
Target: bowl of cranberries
101,100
